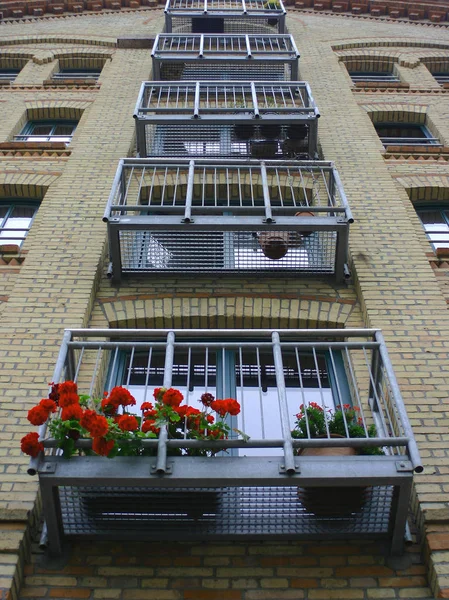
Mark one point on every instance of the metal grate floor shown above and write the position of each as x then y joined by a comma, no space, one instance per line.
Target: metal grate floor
206,513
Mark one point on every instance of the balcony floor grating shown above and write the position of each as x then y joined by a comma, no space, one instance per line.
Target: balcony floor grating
204,513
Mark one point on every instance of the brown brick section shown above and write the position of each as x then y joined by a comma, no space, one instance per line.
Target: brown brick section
228,571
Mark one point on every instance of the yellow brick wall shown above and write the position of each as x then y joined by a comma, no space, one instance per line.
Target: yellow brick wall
62,284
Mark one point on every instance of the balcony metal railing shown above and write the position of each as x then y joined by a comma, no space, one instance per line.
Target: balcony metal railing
197,57
410,141
221,119
225,16
258,488
184,217
374,77
8,74
61,75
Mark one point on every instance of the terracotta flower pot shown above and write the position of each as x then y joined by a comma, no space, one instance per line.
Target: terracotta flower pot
332,501
274,244
307,213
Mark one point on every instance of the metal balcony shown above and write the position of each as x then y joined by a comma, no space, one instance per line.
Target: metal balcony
226,119
198,57
225,16
261,487
227,217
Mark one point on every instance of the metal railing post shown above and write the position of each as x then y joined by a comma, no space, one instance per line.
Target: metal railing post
290,468
161,464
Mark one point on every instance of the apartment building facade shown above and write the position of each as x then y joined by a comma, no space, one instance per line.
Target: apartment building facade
251,238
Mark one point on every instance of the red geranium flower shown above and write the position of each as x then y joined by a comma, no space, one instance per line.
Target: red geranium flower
68,399
95,424
73,411
120,396
49,405
37,415
102,446
223,407
150,414
158,393
107,407
31,445
68,387
207,399
150,426
146,406
54,393
172,397
127,423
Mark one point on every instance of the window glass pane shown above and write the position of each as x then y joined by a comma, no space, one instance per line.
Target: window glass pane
399,131
16,226
3,211
245,374
63,130
43,129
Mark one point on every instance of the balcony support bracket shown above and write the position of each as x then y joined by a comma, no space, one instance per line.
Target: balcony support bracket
404,466
168,470
283,469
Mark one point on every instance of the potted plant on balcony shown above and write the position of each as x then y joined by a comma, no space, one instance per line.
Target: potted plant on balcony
114,431
345,422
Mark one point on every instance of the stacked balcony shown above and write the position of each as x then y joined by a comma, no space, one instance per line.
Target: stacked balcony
236,119
202,57
225,16
262,485
227,217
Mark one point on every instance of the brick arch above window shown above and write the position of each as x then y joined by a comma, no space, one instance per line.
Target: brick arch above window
393,113
368,61
426,189
59,39
239,311
25,185
394,42
70,110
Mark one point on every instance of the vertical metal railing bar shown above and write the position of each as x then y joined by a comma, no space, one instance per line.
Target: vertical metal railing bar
187,396
330,199
255,101
279,187
78,366
130,177
303,395
395,424
355,387
131,361
94,373
189,194
161,464
196,108
152,185
377,406
201,49
283,406
339,394
320,387
113,369
239,186
147,378
241,386
305,202
259,385
228,189
266,193
139,189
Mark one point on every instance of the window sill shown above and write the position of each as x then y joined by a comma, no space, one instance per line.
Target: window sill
397,85
429,152
41,148
81,83
11,256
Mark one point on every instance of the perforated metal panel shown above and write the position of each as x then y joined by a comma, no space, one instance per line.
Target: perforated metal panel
215,252
208,513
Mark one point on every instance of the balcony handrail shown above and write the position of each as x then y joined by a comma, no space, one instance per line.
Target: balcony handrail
334,198
184,46
393,427
232,99
235,7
